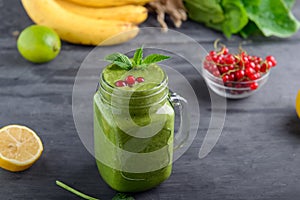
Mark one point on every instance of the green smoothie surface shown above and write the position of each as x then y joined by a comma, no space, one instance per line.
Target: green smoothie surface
152,74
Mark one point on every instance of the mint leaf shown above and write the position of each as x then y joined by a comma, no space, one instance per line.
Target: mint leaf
119,59
138,56
154,58
121,196
126,63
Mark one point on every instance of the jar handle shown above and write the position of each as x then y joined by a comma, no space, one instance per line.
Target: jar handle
184,128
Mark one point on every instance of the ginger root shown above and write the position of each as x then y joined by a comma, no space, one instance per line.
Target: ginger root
174,8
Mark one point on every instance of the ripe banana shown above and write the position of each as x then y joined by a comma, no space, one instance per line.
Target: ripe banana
78,29
298,104
130,13
109,3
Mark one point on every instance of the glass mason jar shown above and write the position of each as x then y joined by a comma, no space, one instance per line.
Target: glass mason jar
134,134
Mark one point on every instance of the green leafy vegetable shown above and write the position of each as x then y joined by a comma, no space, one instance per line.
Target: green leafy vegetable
124,62
289,3
245,17
119,196
250,29
232,23
273,17
209,12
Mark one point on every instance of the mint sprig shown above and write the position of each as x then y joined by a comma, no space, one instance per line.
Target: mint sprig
137,61
119,59
138,56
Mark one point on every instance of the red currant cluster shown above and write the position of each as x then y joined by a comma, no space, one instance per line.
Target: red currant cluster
129,81
237,67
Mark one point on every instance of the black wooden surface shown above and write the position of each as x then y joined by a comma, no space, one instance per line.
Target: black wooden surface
257,156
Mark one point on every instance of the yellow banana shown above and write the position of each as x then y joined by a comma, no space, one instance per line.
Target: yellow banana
131,13
78,29
298,104
109,3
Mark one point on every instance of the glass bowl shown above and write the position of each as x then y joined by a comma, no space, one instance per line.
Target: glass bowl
234,89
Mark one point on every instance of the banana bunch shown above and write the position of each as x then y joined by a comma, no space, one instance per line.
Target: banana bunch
89,22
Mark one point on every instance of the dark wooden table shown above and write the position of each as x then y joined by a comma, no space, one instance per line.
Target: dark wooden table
256,157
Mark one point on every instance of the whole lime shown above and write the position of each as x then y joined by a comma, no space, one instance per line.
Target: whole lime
39,44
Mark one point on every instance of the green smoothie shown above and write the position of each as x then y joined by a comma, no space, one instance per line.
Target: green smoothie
133,129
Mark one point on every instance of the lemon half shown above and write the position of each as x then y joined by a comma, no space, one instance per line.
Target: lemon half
20,147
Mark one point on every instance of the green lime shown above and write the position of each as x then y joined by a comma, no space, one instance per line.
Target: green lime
39,44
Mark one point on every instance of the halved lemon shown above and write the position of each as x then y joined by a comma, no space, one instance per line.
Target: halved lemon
298,104
20,147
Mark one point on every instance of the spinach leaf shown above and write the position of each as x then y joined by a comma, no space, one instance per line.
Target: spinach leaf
250,29
209,12
269,17
289,3
235,17
273,17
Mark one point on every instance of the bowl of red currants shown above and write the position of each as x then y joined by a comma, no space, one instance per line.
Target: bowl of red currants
238,75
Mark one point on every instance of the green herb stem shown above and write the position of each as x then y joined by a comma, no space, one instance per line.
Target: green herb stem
76,192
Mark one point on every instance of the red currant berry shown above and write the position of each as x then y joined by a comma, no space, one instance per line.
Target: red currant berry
225,78
223,69
232,76
245,59
221,61
212,53
216,73
140,79
120,83
225,50
272,60
257,67
259,59
253,86
258,75
240,63
208,58
130,80
206,65
239,74
250,64
254,76
270,64
230,59
215,58
264,67
231,67
249,71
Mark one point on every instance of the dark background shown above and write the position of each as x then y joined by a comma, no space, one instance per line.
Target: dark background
257,156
